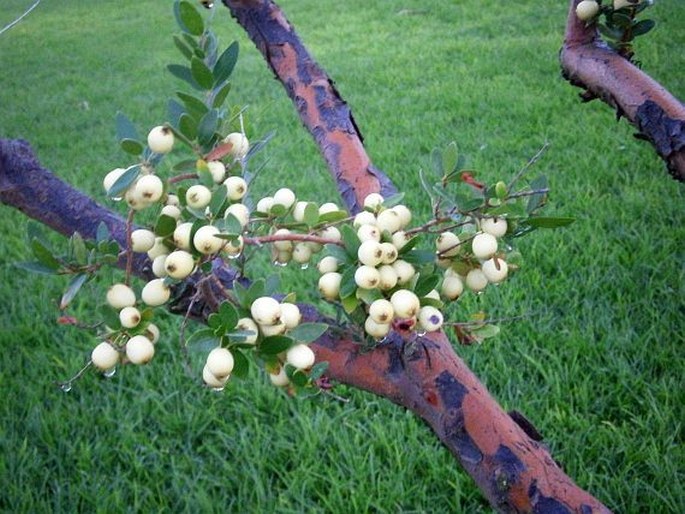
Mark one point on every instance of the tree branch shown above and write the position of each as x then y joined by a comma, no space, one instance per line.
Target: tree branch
587,62
514,470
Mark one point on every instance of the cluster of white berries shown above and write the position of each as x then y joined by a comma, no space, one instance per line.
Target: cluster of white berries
139,348
589,9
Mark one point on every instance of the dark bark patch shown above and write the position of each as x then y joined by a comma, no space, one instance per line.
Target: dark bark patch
547,505
452,394
665,133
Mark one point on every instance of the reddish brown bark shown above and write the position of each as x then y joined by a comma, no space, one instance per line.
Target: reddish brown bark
587,62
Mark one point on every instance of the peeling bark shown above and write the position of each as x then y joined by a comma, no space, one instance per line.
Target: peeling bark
587,62
515,472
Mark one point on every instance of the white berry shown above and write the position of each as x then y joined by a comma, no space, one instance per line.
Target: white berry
587,9
404,213
405,271
179,264
160,139
331,233
405,304
198,196
364,218
373,201
494,226
205,240
217,170
327,264
129,317
220,362
240,211
159,266
104,356
388,220
389,253
476,280
248,325
447,244
484,245
376,330
155,292
264,205
284,197
388,277
329,285
328,207
150,187
399,239
369,233
370,253
367,277
452,287
139,349
234,247
240,144
159,248
181,235
430,318
111,178
120,296
211,380
495,270
290,315
300,356
236,188
266,311
381,311
272,330
279,379
152,333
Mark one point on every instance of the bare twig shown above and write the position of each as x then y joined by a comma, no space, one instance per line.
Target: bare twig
26,13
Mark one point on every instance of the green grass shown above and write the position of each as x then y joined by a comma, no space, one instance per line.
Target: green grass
597,365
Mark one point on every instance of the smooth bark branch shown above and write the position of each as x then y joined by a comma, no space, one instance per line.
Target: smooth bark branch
587,62
324,113
515,471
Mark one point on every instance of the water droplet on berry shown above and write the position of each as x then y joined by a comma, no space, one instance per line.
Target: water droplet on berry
110,372
66,387
304,266
218,389
280,264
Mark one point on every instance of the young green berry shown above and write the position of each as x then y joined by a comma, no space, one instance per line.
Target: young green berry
241,213
139,349
495,270
160,139
367,277
587,10
494,226
381,311
329,285
159,266
376,330
404,213
217,170
405,304
172,211
150,187
388,277
447,244
328,207
370,253
290,315
198,196
300,356
129,317
111,178
302,252
369,233
279,379
405,271
284,197
213,381
179,264
501,190
373,201
272,330
205,240
240,144
120,296
248,325
476,280
265,204
388,220
364,218
181,235
452,287
315,247
389,253
282,257
430,318
152,333
327,264
484,245
155,292
266,311
236,188
142,240
104,356
220,362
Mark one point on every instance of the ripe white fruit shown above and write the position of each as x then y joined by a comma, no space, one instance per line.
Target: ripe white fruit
328,207
484,245
452,287
283,245
389,253
447,244
236,188
373,201
388,220
220,362
434,295
284,197
179,264
298,211
111,178
264,205
405,271
620,4
369,233
367,277
198,196
120,296
405,304
279,379
364,218
205,240
329,285
300,356
495,270
152,333
160,139
494,226
266,311
104,356
376,330
282,257
302,253
272,330
370,253
290,315
150,188
399,239
248,325
240,144
173,200
172,211
213,381
331,233
388,277
182,235
234,247
327,264
155,292
587,9
240,211
139,349
159,248
381,311
142,240
159,266
134,198
404,213
217,170
430,318
476,280
129,317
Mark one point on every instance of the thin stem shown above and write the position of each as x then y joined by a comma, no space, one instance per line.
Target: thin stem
303,238
129,247
66,385
527,166
9,26
182,177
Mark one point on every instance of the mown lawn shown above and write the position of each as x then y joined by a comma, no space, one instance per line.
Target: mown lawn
596,363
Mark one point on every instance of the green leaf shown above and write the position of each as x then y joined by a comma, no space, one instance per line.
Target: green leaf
225,64
44,255
187,125
318,370
368,296
124,182
232,225
201,73
538,199
308,332
350,303
256,290
189,19
165,225
242,295
393,200
297,377
36,267
241,364
549,222
426,284
311,214
419,257
72,289
339,253
275,344
272,284
220,95
78,249
125,128
432,302
195,107
219,199
102,233
350,240
183,73
278,210
347,284
485,332
131,146
333,216
450,158
207,127
642,27
229,316
183,48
